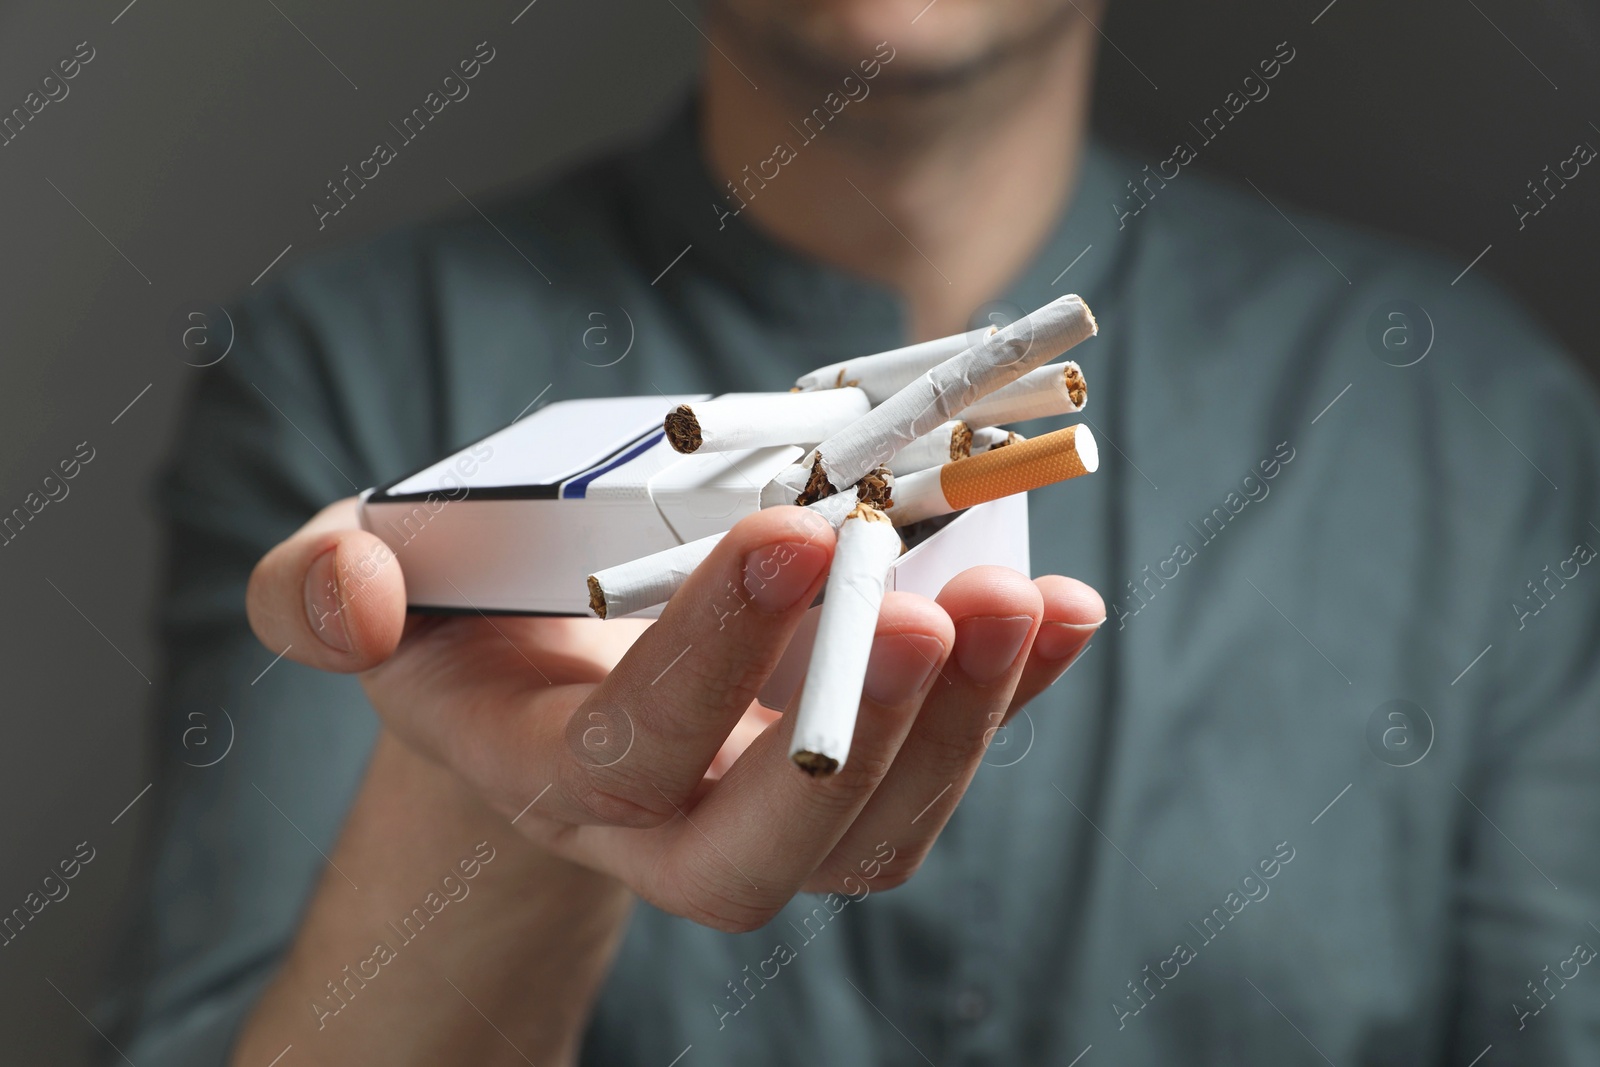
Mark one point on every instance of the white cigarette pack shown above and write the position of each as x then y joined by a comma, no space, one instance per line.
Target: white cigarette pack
515,523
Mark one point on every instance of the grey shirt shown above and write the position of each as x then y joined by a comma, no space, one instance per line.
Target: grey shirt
1323,788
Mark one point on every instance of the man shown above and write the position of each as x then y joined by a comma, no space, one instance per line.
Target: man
1279,812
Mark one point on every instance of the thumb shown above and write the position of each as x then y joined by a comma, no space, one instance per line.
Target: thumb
331,596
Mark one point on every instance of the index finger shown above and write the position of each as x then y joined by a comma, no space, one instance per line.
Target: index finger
686,682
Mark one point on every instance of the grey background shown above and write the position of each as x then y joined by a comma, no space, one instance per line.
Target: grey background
193,144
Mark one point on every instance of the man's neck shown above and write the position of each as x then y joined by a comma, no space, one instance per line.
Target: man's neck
942,197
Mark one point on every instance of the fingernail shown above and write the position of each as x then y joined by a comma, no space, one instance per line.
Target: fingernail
1058,640
324,611
900,666
778,575
987,646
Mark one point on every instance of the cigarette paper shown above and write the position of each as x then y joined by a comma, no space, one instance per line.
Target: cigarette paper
947,442
885,374
937,396
650,580
759,420
987,438
1016,468
868,545
1058,389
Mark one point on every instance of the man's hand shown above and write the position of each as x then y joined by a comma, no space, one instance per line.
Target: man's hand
639,751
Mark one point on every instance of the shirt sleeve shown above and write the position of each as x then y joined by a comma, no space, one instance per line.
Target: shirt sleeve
258,758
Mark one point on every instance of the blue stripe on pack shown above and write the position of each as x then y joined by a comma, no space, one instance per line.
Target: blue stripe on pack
578,487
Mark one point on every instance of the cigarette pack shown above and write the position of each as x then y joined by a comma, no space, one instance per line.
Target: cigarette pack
515,523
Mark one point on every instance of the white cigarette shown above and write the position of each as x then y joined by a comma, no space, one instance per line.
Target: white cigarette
868,545
759,420
650,580
1058,389
1016,468
872,440
885,374
946,443
988,438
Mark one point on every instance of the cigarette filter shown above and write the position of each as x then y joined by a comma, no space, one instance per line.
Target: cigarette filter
882,375
946,443
1058,389
650,580
872,440
1016,468
760,420
826,720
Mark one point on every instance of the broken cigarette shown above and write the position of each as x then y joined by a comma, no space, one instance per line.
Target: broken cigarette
1016,468
946,443
1058,389
760,420
937,396
650,580
988,438
885,374
868,545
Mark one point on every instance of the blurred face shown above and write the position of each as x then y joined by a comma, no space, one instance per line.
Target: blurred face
942,45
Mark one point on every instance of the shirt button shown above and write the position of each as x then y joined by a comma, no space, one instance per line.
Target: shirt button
972,1005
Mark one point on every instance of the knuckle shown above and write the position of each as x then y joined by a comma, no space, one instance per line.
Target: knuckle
612,802
955,749
862,772
834,876
847,879
719,902
732,674
612,809
897,876
839,797
734,924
